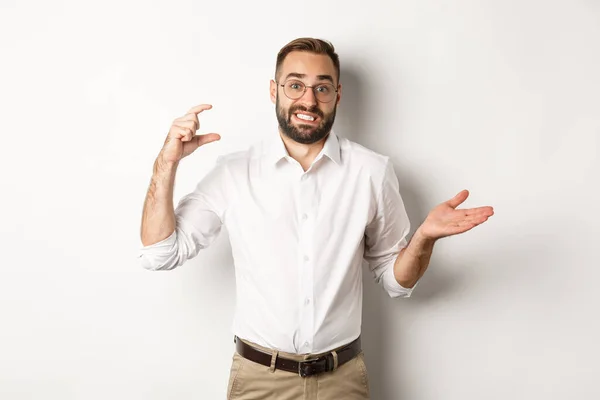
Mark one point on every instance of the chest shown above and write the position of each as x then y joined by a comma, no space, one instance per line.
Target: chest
281,204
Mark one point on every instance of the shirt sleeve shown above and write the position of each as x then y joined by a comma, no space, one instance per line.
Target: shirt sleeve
386,235
198,221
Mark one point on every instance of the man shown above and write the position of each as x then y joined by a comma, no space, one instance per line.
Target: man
302,210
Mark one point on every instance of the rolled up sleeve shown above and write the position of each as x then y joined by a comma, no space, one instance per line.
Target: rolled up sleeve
198,221
386,235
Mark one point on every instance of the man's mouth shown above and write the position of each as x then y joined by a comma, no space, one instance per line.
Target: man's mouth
306,117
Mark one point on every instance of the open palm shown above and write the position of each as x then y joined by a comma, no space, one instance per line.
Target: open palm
445,220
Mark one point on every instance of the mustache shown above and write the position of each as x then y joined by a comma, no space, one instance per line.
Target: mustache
314,110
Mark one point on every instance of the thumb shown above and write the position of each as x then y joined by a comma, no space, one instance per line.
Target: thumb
458,199
208,138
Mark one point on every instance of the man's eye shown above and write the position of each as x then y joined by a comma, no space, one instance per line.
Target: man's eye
294,85
323,89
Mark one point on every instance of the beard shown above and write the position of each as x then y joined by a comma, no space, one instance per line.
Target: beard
304,133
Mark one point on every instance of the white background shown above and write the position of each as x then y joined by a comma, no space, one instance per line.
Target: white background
498,97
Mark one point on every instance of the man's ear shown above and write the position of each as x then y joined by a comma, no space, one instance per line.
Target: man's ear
273,91
339,94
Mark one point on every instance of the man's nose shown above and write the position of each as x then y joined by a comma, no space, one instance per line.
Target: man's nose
308,97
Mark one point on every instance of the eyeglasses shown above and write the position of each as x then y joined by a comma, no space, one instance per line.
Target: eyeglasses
294,89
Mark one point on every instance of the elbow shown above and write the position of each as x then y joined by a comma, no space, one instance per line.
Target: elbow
157,263
152,265
170,252
162,256
396,287
402,295
407,283
398,290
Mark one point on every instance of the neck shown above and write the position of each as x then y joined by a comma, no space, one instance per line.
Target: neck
305,154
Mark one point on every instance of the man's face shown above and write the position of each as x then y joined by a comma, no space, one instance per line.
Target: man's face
308,118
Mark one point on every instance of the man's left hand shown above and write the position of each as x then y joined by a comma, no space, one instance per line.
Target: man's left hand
445,220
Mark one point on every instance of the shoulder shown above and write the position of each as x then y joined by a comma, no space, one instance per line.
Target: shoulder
365,159
253,151
239,161
233,158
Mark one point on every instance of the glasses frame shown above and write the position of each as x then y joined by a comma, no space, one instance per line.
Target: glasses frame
306,87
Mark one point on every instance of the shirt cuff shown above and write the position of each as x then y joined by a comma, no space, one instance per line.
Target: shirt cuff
156,256
392,286
164,244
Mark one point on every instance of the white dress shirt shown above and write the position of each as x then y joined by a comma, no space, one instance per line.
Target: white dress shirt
298,239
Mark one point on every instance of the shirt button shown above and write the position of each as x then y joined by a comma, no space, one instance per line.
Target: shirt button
304,217
307,301
305,258
305,344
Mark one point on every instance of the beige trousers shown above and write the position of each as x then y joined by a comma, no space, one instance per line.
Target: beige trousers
252,381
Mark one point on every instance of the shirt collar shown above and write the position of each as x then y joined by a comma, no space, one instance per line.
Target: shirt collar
276,149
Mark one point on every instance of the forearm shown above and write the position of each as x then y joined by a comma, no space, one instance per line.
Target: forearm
158,219
412,262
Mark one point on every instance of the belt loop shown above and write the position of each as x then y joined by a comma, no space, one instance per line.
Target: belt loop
335,359
273,360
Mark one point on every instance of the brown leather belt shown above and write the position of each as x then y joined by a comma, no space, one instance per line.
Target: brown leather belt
304,368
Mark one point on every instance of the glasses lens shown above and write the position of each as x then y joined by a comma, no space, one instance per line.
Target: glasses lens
325,92
294,89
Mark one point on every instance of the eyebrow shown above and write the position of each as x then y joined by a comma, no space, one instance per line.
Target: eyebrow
301,76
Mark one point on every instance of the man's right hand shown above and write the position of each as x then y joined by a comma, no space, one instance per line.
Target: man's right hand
182,139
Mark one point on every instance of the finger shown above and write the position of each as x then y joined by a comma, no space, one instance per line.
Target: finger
473,221
468,218
183,133
208,138
199,108
186,124
190,117
458,199
487,210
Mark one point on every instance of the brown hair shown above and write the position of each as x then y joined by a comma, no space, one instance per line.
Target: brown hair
311,45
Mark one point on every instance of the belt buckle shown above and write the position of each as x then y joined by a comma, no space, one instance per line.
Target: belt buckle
310,362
